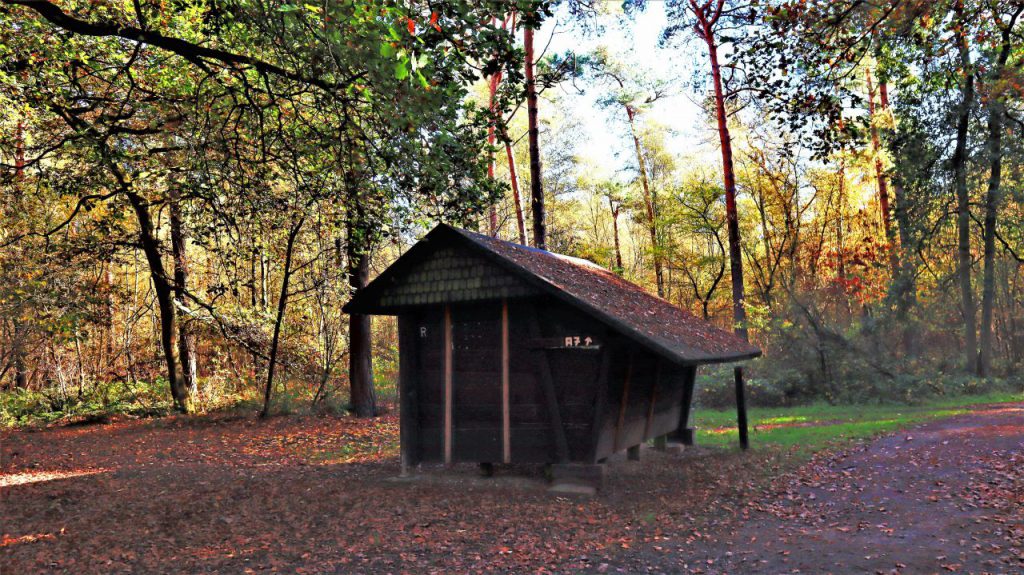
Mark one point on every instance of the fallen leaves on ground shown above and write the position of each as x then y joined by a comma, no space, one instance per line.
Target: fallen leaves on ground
323,495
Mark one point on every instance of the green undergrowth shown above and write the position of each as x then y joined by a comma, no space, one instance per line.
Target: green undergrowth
814,427
95,403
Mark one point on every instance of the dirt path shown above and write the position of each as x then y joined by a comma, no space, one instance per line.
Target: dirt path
945,497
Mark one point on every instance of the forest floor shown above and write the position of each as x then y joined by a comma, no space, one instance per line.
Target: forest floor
305,494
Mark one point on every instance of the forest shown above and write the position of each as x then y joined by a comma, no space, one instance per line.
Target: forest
191,191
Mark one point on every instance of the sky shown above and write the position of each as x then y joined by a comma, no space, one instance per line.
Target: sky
635,39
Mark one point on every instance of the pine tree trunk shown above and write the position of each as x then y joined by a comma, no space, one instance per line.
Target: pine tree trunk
536,183
652,222
729,178
615,233
883,188
514,179
491,139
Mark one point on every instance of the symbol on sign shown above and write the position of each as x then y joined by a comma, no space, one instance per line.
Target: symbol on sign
423,331
575,341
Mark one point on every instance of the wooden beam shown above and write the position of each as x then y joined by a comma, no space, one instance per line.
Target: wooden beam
741,407
408,384
550,394
506,419
447,384
624,402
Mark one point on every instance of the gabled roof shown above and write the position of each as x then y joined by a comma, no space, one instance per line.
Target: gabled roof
651,321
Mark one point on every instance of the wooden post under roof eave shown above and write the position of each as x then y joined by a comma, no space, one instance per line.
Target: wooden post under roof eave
741,407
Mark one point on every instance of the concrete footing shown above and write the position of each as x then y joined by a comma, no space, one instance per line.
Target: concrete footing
578,479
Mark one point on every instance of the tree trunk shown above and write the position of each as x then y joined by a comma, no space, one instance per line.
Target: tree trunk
536,183
18,333
995,152
164,297
994,146
615,234
491,138
360,372
883,188
904,280
282,304
107,356
840,241
881,177
729,178
652,222
963,217
514,179
18,353
186,339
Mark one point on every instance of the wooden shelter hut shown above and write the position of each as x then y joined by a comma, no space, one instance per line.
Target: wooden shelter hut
512,354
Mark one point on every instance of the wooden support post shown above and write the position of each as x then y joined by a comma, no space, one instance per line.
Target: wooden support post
550,394
624,401
683,432
447,385
506,420
600,401
653,399
741,408
408,384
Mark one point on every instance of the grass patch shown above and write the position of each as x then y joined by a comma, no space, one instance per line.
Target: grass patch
813,427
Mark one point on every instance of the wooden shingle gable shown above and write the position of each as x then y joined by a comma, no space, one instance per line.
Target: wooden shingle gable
451,275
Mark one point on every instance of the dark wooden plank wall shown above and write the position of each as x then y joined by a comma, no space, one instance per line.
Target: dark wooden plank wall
429,328
408,389
477,393
574,371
